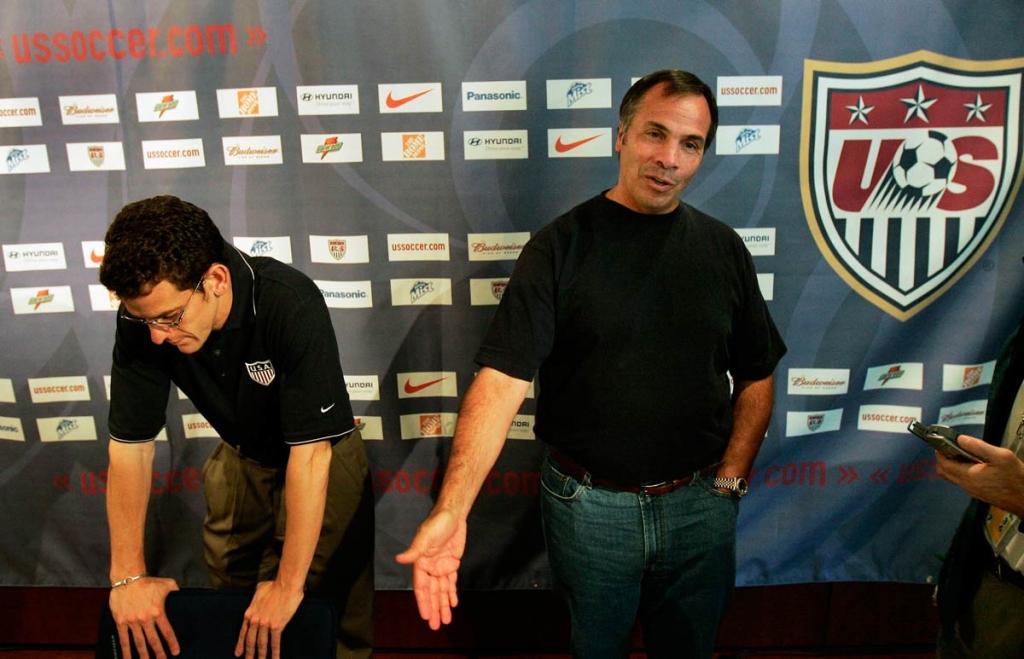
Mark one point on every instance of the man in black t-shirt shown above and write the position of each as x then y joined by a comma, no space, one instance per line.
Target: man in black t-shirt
249,340
654,352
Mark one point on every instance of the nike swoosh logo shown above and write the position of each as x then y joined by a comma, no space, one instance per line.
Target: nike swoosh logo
562,147
411,388
393,103
325,410
94,257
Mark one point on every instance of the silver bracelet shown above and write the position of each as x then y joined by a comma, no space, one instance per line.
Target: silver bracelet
128,580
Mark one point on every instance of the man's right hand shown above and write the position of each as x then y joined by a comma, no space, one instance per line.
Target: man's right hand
138,611
435,554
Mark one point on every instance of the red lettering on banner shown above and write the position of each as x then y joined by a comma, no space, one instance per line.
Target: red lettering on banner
422,481
978,180
804,474
849,195
191,40
917,471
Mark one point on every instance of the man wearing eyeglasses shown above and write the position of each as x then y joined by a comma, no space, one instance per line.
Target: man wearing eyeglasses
249,340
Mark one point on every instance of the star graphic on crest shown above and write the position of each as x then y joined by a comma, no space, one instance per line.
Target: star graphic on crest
976,110
917,106
859,112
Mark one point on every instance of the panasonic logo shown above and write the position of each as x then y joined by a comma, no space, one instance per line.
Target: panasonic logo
344,295
493,96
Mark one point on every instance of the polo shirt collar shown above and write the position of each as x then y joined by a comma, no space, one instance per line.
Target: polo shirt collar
243,284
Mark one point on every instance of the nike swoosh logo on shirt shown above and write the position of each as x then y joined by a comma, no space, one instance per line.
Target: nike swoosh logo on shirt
325,410
562,147
393,103
411,388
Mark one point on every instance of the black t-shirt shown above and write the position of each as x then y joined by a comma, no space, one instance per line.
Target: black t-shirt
269,379
635,323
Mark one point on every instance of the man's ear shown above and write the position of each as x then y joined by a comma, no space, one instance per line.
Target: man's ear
218,279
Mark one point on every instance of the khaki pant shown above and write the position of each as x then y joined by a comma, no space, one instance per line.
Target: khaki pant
994,624
243,534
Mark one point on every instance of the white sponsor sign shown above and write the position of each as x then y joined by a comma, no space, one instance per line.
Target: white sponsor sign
749,90
362,387
412,146
522,427
167,106
370,427
812,423
95,156
101,299
59,389
91,109
418,247
906,375
42,299
173,154
971,412
339,249
34,256
18,112
485,292
759,242
436,424
11,429
496,246
496,144
24,159
331,148
346,294
428,384
497,96
327,99
196,427
818,381
252,150
278,247
579,142
887,418
246,103
747,140
7,391
67,429
406,292
957,377
579,93
412,97
92,253
766,282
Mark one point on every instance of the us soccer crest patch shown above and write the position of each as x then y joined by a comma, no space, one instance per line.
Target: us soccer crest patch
261,372
908,170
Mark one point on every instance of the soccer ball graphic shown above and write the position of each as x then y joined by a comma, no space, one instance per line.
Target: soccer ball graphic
924,165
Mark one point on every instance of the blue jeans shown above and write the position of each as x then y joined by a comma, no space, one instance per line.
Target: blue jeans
615,556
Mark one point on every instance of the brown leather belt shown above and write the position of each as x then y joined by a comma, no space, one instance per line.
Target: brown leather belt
999,567
653,490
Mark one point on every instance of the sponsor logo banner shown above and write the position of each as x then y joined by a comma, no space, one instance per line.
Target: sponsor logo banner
67,429
579,93
103,300
24,159
7,391
799,424
34,256
339,249
412,146
579,142
747,140
327,99
895,376
332,148
766,282
496,246
957,377
92,253
909,167
420,426
59,389
363,387
818,381
749,90
370,427
496,144
887,418
428,384
252,150
197,427
971,412
47,299
419,292
245,103
412,97
173,154
522,427
167,106
759,242
92,109
418,247
509,95
95,156
346,294
19,112
11,429
484,292
278,247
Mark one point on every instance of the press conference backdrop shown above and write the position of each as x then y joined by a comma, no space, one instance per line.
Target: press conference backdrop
402,152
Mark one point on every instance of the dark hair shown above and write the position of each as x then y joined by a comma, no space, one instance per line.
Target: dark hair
678,83
158,239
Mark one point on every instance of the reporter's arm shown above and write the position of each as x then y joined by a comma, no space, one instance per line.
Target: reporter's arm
998,481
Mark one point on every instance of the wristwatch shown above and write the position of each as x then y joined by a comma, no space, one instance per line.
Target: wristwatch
737,485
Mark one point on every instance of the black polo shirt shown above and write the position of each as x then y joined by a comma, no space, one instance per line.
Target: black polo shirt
271,378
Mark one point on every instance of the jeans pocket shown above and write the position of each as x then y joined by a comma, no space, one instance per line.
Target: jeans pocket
559,485
706,484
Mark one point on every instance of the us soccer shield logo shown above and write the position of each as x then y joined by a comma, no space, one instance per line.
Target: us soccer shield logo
909,167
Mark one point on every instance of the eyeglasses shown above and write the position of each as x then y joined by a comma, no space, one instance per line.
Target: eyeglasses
164,325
